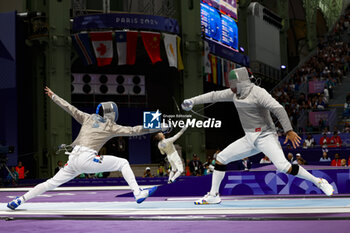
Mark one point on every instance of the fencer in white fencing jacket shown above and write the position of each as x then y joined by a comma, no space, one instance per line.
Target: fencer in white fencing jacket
253,104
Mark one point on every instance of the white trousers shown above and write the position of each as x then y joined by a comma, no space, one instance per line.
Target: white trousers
176,166
250,145
85,160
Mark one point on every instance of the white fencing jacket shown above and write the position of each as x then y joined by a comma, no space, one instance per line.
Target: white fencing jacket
254,110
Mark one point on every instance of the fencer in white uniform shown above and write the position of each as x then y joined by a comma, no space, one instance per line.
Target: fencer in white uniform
166,146
95,131
253,105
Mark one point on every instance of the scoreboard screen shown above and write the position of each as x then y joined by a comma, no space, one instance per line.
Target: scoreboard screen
229,32
211,21
219,27
229,7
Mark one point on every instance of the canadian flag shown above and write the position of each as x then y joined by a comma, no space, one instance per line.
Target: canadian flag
102,43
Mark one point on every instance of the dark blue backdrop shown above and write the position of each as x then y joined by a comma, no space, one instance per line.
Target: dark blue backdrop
8,86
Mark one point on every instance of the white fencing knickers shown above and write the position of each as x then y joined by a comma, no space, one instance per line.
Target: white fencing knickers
176,166
85,160
246,146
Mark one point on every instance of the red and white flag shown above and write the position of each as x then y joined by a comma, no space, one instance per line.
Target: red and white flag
126,47
102,43
151,41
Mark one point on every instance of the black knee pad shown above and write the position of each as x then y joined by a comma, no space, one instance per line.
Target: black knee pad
220,167
295,169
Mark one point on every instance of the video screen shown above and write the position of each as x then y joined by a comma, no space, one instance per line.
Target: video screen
219,27
211,21
229,32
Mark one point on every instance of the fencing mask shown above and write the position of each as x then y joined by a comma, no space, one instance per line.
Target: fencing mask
108,110
239,79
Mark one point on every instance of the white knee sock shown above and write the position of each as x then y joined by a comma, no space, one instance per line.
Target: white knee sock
216,181
171,174
176,175
37,190
307,175
129,176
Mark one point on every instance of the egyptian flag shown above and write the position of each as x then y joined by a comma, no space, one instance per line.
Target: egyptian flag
151,41
170,48
102,43
126,47
81,43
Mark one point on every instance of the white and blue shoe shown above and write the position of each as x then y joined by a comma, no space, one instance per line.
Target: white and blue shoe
144,193
14,203
208,199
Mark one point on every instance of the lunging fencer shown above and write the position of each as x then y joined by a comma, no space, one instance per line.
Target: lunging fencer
166,146
95,131
254,105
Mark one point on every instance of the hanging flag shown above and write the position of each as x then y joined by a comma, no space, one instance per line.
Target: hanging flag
206,62
170,48
214,69
81,43
151,41
180,65
126,47
226,70
120,38
103,47
209,75
219,71
223,82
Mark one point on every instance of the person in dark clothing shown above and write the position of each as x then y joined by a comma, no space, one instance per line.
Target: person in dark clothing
196,166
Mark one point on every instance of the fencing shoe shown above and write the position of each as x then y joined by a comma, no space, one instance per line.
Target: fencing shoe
325,187
14,203
144,193
208,199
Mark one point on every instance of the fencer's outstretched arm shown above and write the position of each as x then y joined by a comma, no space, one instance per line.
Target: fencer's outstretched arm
213,96
132,131
176,136
78,115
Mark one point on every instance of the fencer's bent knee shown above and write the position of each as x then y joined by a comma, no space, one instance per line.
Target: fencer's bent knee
123,162
220,167
219,159
283,166
295,170
181,170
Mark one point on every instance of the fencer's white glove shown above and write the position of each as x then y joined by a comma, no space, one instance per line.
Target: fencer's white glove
187,105
211,167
